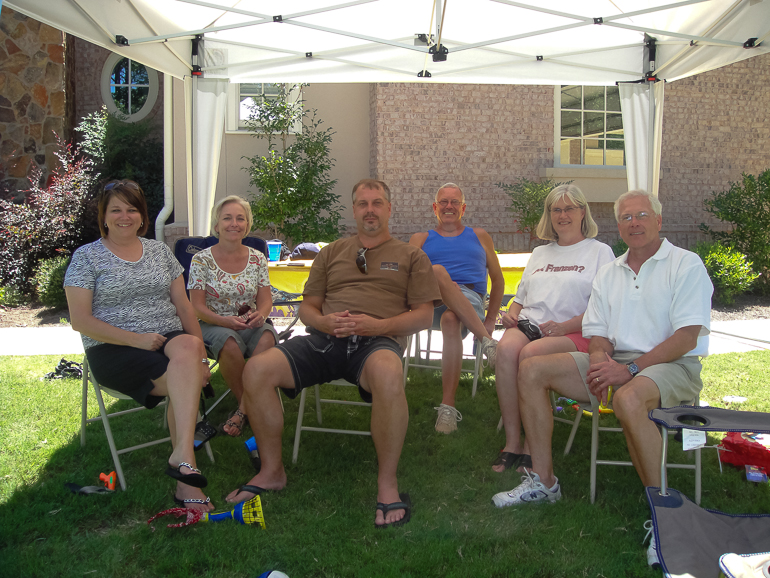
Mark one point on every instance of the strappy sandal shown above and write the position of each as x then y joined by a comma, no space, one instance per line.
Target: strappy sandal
195,479
239,426
184,503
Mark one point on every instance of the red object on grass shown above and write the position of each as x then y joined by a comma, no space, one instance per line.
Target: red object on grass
744,451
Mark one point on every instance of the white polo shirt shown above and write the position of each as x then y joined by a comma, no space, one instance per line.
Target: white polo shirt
639,312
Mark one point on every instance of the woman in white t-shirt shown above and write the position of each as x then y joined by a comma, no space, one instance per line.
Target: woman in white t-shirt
230,292
547,312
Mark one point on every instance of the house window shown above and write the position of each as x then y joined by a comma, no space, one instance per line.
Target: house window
590,130
129,88
241,96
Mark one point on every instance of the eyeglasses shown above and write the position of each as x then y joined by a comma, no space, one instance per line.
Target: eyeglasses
643,216
568,210
361,259
444,203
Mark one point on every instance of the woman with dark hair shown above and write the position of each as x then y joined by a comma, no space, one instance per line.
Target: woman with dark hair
230,292
127,299
550,301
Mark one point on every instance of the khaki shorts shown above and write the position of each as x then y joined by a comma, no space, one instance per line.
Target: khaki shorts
678,381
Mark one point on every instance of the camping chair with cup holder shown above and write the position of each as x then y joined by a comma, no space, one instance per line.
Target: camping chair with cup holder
693,541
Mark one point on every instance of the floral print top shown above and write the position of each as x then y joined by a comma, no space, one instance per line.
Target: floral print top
227,292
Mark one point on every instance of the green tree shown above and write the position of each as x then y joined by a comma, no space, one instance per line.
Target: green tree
746,206
125,150
295,199
527,203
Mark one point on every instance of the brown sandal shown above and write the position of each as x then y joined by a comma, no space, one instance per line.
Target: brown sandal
232,424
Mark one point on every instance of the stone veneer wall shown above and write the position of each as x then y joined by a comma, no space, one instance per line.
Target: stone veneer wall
474,135
32,97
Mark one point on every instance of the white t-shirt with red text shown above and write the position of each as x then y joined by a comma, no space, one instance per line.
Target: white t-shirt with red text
556,282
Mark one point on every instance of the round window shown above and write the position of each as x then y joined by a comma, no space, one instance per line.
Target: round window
129,88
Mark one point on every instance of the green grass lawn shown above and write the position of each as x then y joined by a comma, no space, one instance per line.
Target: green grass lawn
322,523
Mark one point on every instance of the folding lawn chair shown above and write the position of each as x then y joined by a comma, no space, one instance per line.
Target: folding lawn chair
593,408
104,417
319,416
690,540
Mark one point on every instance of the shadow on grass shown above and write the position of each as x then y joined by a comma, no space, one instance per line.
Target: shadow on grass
322,523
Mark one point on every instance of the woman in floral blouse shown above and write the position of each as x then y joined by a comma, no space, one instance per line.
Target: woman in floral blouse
230,292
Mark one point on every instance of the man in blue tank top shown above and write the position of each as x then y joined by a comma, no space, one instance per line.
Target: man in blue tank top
461,257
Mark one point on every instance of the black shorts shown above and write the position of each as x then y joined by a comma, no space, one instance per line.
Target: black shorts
130,370
321,358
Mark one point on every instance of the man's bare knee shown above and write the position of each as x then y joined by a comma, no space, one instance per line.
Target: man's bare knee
630,401
383,374
266,371
532,373
450,323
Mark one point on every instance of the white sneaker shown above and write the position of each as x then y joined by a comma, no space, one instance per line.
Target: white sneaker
447,418
652,550
530,490
489,350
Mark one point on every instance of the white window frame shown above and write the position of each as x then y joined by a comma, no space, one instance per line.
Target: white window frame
557,138
233,123
107,98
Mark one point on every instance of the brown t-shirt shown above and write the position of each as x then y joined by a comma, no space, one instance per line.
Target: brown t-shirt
398,276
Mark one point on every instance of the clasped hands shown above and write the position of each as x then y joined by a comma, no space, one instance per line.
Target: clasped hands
603,374
345,324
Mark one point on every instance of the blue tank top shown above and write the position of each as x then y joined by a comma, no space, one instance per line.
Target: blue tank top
462,256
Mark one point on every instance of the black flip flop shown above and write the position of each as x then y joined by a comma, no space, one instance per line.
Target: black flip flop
196,479
405,504
256,490
508,460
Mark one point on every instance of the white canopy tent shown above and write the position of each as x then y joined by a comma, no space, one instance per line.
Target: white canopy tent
592,42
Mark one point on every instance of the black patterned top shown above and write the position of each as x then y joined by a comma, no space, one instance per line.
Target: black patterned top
134,296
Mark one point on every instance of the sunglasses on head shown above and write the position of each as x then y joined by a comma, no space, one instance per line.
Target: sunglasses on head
361,260
122,183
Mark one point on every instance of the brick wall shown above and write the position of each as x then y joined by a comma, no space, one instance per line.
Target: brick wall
715,127
473,135
32,98
87,70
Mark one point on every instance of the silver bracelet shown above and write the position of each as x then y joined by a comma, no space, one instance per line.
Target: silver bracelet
205,361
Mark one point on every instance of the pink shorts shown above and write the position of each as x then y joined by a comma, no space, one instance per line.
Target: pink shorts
580,342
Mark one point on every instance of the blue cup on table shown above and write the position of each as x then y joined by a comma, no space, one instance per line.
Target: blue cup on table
274,250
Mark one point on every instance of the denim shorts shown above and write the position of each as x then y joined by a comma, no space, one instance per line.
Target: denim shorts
321,358
215,336
476,300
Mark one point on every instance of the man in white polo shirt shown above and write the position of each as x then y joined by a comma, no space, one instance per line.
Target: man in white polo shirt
647,318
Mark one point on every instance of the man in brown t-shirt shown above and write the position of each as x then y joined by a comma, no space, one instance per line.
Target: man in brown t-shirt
364,296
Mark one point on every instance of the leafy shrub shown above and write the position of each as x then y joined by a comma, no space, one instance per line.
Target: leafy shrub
49,220
124,150
12,297
296,198
49,280
746,205
619,247
527,202
729,270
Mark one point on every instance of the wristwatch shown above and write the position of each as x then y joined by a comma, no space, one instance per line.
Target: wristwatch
633,368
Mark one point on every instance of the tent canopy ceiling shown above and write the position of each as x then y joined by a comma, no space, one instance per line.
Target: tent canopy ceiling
488,41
